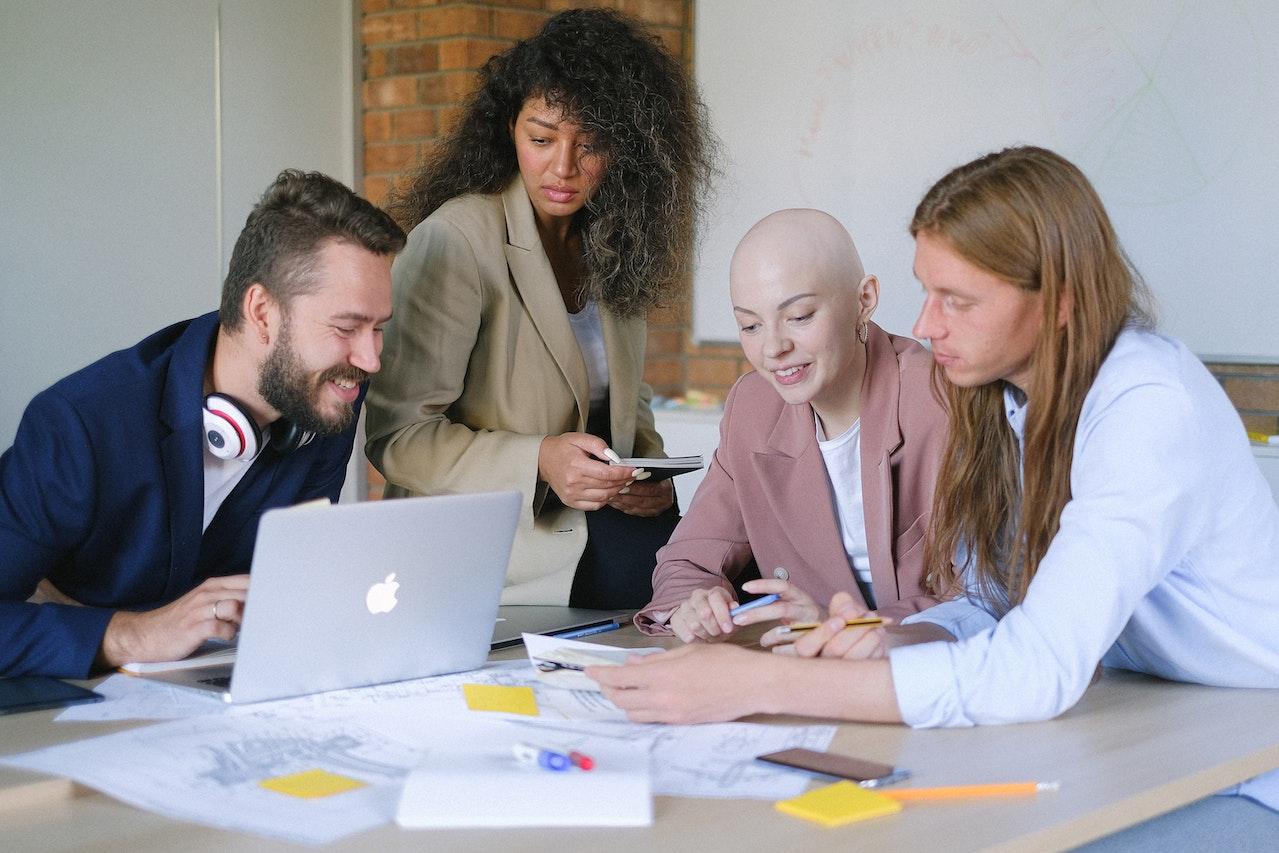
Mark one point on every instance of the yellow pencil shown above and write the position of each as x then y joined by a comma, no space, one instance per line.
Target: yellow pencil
956,792
800,627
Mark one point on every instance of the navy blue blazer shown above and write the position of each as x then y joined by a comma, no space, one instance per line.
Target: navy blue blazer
102,493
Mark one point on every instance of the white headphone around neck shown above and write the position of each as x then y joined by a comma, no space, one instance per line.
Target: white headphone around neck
231,433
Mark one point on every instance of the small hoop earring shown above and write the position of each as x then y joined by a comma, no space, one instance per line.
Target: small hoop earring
863,332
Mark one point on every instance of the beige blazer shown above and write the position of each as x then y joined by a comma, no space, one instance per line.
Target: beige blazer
767,494
480,364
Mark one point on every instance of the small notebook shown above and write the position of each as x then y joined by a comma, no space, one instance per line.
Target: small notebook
474,785
663,469
838,804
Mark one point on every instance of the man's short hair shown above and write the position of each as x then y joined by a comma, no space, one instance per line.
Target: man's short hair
297,214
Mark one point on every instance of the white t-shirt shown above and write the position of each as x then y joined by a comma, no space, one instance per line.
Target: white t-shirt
590,340
221,476
842,455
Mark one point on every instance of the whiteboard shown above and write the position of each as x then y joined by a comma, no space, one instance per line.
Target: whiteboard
857,106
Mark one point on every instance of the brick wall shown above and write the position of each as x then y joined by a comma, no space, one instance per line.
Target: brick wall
420,59
1254,389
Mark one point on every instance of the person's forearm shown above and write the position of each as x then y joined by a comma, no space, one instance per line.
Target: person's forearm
116,648
857,690
915,633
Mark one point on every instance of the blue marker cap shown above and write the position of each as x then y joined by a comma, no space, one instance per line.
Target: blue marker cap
751,605
547,759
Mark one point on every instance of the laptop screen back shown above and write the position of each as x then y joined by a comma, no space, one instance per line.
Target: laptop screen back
356,594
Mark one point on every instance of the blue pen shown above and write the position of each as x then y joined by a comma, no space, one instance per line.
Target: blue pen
751,605
538,756
588,631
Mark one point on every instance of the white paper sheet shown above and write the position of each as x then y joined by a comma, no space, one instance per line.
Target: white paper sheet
438,695
132,698
538,646
715,760
719,760
208,770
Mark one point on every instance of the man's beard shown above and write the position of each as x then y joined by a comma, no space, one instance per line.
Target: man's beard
286,386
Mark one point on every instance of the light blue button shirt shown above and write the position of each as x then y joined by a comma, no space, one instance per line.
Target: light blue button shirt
1166,561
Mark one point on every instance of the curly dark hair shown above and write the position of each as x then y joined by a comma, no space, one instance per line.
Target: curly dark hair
617,82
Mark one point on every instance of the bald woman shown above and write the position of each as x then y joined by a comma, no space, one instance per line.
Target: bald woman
828,452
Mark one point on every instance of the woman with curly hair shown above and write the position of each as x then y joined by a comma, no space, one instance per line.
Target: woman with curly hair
556,214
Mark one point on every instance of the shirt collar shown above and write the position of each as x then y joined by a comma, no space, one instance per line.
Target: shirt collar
1015,409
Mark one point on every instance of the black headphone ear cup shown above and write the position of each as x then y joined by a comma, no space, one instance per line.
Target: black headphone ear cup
229,431
287,436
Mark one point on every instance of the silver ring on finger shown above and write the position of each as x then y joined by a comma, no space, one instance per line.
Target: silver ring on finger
215,610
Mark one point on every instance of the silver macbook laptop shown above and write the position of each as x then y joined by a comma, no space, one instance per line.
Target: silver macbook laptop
357,594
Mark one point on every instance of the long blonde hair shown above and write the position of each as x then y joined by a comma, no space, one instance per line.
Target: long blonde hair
1031,218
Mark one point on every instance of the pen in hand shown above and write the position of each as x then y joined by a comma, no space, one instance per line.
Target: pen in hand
751,605
803,627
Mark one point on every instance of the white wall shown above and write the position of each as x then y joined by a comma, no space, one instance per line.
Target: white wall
689,433
136,136
858,106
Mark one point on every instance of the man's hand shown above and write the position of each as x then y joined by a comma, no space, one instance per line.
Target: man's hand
570,464
178,628
691,684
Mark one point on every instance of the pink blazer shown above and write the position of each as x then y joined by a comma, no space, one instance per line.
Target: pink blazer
767,494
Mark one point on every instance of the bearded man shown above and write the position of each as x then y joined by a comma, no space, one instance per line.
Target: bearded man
130,499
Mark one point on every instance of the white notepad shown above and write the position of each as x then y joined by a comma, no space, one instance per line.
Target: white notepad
485,786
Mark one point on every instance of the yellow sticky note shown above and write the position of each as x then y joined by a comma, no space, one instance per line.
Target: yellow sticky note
496,697
312,784
838,804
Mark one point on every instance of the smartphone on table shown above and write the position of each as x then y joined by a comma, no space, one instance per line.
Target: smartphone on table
868,774
20,693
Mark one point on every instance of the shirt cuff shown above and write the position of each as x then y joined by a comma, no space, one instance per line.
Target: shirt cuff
961,617
924,681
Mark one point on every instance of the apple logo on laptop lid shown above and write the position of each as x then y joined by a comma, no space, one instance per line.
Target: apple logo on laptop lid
381,596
